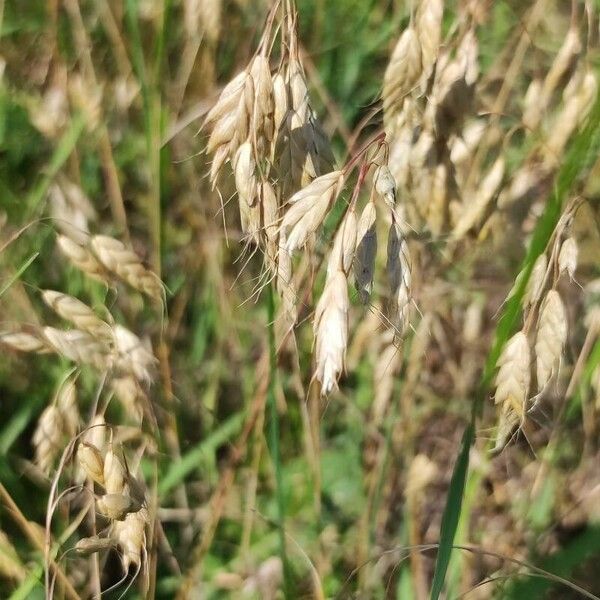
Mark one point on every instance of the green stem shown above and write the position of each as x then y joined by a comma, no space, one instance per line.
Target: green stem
274,437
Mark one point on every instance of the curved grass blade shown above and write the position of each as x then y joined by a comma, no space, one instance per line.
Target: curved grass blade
452,511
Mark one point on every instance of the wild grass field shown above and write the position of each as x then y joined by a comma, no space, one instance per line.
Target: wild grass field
299,299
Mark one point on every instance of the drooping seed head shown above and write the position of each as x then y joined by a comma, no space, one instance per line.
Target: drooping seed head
331,332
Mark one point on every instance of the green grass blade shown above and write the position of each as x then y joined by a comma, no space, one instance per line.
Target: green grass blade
452,512
18,274
181,469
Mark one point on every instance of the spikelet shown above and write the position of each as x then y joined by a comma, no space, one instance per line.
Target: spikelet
366,252
66,401
262,125
475,206
308,209
24,342
280,101
399,277
551,338
402,73
576,107
47,438
79,346
539,94
78,313
71,210
428,27
567,257
82,258
115,506
133,356
91,462
96,433
535,284
385,185
228,99
270,217
455,80
243,169
331,332
512,386
90,545
126,264
130,534
114,473
331,314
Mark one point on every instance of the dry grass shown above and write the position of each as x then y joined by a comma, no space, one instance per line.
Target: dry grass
187,187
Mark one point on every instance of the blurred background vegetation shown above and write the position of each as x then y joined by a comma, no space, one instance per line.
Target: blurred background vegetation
105,97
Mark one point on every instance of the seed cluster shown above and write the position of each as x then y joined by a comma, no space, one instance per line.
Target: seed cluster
287,187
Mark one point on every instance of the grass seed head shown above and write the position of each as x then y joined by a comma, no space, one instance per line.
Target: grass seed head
82,258
78,313
428,28
126,265
130,534
308,209
47,438
402,73
551,337
244,168
512,385
91,545
331,332
567,257
24,342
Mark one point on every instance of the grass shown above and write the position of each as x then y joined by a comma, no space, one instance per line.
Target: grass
244,462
